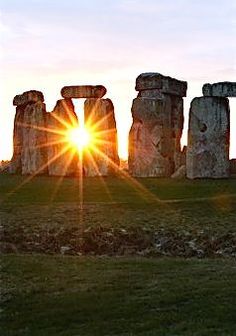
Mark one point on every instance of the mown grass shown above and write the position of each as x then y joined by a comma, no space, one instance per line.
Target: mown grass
43,190
71,296
68,296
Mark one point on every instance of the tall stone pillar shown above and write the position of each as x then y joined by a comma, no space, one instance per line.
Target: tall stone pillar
208,138
29,139
154,139
101,156
62,156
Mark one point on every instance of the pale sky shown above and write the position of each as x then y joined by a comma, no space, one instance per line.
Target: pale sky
46,44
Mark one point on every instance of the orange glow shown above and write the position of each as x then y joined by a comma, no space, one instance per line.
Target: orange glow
79,137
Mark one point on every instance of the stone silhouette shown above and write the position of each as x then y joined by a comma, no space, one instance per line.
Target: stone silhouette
29,139
62,158
101,158
154,139
41,144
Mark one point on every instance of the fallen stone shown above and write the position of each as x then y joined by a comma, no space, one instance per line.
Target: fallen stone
180,173
62,157
28,97
168,85
83,91
221,89
101,157
208,138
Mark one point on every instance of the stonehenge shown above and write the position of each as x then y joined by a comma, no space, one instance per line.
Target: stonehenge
41,144
40,140
154,139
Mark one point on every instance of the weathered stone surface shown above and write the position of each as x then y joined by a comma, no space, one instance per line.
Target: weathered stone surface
28,97
62,158
233,167
221,89
168,85
34,139
29,140
180,173
102,156
15,165
83,91
151,146
208,138
177,124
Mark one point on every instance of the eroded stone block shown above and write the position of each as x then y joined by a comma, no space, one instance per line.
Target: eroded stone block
62,156
208,138
83,91
151,146
165,84
221,89
34,140
28,97
101,157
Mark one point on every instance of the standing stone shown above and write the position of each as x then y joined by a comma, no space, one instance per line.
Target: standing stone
29,138
150,143
62,156
154,139
208,138
34,154
221,89
83,91
101,157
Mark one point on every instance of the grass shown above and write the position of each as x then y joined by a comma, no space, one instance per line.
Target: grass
41,190
81,296
68,296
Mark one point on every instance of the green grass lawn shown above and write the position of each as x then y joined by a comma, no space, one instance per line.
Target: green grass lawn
69,296
51,295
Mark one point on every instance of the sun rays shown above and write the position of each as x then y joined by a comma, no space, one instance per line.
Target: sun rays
89,143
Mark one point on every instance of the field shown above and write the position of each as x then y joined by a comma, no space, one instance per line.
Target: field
132,257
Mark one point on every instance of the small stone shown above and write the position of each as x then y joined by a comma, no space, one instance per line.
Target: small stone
64,249
165,84
180,173
6,247
221,89
28,97
83,91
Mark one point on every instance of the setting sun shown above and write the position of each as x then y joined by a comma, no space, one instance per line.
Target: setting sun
79,137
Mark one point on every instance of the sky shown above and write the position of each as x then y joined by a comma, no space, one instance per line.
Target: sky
47,44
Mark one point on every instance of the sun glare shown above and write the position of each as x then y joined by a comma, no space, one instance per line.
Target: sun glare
79,137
